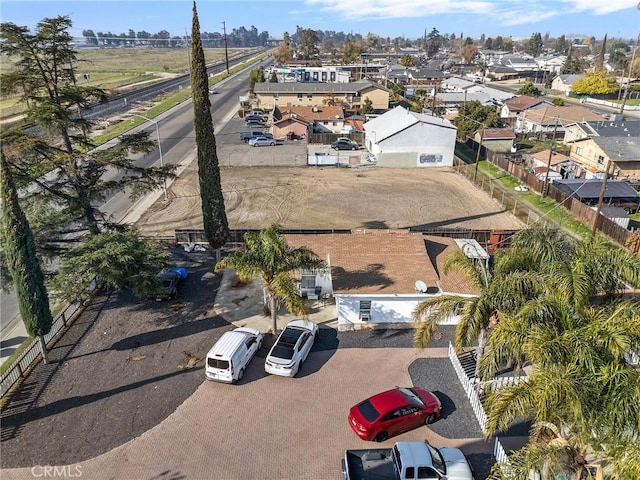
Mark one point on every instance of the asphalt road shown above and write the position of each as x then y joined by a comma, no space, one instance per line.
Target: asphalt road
177,140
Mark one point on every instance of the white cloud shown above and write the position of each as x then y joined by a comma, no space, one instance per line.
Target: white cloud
501,12
600,7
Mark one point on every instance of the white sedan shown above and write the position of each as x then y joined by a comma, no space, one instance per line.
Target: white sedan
291,348
262,141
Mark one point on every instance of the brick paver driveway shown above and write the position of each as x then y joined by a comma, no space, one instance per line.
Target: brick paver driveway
266,427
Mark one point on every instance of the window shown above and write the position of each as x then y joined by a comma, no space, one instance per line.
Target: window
579,150
365,310
410,473
600,159
218,364
332,76
324,76
299,96
427,473
309,97
276,95
315,76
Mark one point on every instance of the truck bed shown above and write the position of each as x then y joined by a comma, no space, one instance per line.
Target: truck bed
369,464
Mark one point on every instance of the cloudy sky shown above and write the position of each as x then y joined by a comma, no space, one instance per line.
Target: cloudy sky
387,18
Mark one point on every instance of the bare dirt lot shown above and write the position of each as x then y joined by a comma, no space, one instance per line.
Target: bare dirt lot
330,197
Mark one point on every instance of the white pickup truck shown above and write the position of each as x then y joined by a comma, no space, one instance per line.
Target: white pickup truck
406,460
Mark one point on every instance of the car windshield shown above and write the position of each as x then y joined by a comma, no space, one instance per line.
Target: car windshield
411,396
438,461
368,411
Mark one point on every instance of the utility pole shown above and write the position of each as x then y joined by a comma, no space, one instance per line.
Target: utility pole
603,189
475,171
633,56
545,187
226,53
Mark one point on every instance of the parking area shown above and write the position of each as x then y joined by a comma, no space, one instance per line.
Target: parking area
124,396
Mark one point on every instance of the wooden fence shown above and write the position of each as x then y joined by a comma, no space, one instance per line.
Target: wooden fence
581,211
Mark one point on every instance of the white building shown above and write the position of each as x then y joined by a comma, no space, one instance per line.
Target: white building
400,138
378,277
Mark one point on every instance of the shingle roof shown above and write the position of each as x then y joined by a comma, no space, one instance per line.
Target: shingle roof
590,189
619,149
567,114
517,104
498,134
398,119
318,113
383,262
311,87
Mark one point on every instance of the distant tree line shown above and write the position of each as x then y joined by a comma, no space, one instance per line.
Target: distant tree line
238,37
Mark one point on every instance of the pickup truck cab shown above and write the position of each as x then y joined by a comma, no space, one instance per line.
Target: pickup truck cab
246,136
406,461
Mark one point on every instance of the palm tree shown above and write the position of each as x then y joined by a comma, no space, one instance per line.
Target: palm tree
267,255
580,390
505,288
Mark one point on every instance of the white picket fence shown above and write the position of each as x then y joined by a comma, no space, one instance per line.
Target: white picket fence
471,387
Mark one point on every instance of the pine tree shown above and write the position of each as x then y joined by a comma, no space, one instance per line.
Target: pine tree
216,227
20,256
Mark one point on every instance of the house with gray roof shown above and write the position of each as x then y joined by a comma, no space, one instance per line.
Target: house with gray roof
564,83
401,138
598,152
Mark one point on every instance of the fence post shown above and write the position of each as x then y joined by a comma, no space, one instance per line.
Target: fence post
64,318
20,369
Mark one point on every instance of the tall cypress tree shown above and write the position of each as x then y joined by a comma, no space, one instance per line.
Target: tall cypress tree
214,216
20,255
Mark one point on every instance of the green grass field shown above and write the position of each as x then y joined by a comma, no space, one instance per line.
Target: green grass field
114,68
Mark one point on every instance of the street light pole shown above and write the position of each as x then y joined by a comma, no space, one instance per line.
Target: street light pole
155,123
226,53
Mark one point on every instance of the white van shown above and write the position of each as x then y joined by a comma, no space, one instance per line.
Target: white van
229,357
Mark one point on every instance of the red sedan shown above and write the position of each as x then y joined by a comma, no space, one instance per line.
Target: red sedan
394,411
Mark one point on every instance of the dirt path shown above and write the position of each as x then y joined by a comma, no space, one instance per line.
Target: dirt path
341,198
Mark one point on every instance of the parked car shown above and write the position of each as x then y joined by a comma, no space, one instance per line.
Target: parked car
394,411
254,124
254,118
229,357
170,278
213,91
344,145
291,348
246,136
262,142
347,139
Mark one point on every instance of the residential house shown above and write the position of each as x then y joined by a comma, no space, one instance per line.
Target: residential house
516,105
349,95
550,118
289,124
401,138
321,119
496,139
551,63
617,193
563,83
377,276
566,166
620,156
601,128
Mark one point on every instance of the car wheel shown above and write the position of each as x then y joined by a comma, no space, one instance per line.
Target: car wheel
272,144
241,374
174,294
353,148
381,437
259,345
430,419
